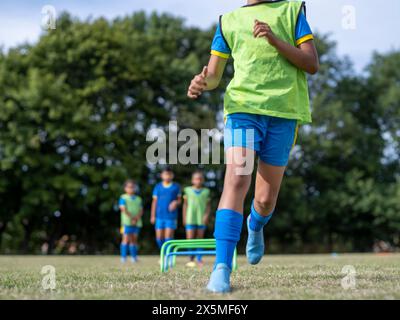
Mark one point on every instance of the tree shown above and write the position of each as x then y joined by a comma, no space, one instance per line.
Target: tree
76,107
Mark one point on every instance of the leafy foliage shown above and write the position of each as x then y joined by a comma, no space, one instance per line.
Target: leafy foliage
76,107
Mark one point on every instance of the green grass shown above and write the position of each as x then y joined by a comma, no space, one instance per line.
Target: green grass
276,277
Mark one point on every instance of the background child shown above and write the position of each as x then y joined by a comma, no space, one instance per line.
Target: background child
131,209
196,210
272,47
164,207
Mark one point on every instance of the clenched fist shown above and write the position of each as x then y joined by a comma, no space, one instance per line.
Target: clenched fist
198,84
263,30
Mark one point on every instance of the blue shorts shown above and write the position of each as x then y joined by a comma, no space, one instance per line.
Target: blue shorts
272,138
166,224
130,230
195,227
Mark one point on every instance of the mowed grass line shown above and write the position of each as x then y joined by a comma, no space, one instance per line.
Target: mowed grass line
276,277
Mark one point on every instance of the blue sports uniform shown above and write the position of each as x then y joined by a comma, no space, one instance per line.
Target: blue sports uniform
130,230
272,138
165,194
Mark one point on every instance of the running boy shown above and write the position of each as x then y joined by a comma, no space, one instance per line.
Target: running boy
131,209
272,47
195,211
164,208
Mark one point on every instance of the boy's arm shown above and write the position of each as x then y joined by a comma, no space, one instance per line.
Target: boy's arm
215,70
124,211
140,215
179,200
207,212
141,211
209,78
184,207
304,56
175,203
153,211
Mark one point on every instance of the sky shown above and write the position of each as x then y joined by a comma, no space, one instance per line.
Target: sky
359,26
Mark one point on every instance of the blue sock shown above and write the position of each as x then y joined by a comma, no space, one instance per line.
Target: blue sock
257,221
159,242
124,250
228,226
199,256
133,250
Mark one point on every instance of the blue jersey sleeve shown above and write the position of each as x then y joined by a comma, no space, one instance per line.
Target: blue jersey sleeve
122,202
219,47
303,31
155,191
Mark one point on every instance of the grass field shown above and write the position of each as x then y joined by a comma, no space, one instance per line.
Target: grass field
277,277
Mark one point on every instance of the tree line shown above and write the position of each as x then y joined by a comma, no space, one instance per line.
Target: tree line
77,104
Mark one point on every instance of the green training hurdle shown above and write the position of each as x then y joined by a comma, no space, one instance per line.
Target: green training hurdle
173,248
170,248
176,248
172,255
169,251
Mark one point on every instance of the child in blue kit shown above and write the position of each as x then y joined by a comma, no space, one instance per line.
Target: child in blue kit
164,208
131,209
272,48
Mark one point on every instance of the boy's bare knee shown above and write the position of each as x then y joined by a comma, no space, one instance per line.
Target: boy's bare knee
265,204
238,182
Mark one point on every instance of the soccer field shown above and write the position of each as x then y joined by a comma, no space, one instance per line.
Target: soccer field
277,277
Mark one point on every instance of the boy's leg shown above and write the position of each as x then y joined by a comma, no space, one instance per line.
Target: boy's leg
160,237
169,234
124,247
200,235
133,246
268,183
229,218
200,232
169,231
280,137
237,179
190,234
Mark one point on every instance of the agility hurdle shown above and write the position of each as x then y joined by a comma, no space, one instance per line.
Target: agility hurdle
171,256
189,247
